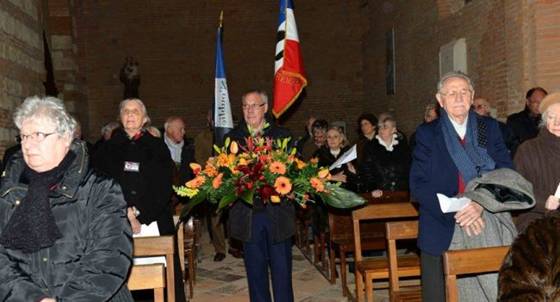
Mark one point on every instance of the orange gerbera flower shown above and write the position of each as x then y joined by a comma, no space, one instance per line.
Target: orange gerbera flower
283,185
223,160
277,167
314,160
317,184
210,170
196,168
217,182
195,182
275,198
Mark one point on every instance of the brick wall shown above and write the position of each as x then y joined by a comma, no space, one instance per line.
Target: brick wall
174,43
512,46
21,60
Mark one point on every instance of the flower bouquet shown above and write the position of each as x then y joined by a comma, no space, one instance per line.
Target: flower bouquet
267,168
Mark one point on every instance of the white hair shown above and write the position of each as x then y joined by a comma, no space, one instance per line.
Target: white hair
261,93
48,108
454,74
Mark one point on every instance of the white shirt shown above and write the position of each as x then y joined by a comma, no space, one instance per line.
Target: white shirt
174,148
461,129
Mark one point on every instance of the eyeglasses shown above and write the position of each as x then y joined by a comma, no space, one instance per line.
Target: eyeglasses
252,106
456,93
35,136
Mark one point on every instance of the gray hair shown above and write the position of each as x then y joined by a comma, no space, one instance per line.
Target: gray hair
49,108
142,106
170,120
109,127
454,74
261,93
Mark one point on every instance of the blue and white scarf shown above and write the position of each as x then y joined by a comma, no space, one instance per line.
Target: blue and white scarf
471,159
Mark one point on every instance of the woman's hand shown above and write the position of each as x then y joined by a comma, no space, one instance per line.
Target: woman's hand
351,168
376,193
551,203
134,223
340,176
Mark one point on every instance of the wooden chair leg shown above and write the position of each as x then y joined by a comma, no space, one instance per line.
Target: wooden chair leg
332,262
359,286
191,274
369,289
158,295
315,249
342,255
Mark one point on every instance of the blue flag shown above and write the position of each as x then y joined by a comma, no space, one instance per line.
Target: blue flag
223,121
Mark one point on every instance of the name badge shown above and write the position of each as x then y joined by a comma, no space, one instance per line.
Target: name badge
130,166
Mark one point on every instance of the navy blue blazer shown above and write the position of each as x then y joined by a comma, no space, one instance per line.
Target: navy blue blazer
433,171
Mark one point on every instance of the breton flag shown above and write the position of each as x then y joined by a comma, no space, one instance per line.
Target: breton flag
289,77
223,122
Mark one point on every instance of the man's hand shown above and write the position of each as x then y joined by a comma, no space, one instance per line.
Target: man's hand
551,203
134,223
376,193
340,176
47,300
475,228
469,214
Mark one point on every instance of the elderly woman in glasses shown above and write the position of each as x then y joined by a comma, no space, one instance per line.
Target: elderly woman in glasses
63,229
538,160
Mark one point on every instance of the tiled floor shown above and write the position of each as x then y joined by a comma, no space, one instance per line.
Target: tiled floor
225,281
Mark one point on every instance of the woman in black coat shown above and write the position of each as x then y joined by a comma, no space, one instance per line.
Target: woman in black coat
142,165
63,230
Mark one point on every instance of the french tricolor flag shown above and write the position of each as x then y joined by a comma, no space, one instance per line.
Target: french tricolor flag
289,76
223,121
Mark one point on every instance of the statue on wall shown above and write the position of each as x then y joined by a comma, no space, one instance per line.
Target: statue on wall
130,77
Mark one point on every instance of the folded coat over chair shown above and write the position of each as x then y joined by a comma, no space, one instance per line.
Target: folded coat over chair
498,192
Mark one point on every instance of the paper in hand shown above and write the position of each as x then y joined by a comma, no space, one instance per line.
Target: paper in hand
557,194
150,230
451,204
347,157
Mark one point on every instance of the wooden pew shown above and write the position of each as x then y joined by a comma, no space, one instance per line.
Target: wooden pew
141,275
368,270
471,261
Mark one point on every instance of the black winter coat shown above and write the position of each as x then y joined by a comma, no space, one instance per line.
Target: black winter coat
149,188
390,169
282,215
91,260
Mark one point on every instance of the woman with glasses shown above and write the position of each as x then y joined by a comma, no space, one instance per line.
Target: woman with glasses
63,230
390,158
538,160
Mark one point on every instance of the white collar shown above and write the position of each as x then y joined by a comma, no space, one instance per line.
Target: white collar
389,147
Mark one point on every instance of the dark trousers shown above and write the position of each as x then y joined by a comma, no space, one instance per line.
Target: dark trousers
260,254
433,280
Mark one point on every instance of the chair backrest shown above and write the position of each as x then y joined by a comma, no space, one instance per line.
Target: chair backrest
149,276
181,239
159,246
398,230
471,261
378,211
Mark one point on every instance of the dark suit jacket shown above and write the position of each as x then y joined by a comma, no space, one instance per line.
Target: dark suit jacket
433,171
241,214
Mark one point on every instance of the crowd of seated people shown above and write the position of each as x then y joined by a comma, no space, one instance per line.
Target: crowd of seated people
447,142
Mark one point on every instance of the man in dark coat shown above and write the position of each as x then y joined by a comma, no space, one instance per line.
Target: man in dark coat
142,165
265,229
525,124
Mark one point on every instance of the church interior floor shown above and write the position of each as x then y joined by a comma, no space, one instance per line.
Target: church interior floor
226,281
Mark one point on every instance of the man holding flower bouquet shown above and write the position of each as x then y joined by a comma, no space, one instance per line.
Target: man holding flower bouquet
266,227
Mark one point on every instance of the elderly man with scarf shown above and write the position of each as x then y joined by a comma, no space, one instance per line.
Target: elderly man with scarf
451,150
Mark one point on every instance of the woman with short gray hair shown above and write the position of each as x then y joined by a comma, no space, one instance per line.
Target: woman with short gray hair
63,232
538,160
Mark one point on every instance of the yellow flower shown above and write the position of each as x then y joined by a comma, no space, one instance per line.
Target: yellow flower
233,148
283,185
300,164
242,162
223,160
277,167
195,182
317,184
324,173
217,182
210,170
275,198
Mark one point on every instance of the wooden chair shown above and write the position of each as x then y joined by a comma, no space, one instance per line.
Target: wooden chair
471,261
149,276
141,275
403,266
189,248
341,235
367,270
